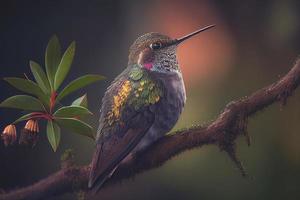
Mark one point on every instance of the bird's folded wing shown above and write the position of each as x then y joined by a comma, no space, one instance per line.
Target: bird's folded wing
112,151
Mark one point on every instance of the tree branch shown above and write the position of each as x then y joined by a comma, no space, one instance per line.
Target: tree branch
230,124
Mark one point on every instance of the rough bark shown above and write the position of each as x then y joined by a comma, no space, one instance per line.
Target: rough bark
230,124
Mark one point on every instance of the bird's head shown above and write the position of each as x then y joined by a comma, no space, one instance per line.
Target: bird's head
157,52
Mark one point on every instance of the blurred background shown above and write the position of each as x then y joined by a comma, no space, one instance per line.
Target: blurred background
253,44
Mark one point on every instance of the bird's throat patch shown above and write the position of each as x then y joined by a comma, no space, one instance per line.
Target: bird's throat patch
148,66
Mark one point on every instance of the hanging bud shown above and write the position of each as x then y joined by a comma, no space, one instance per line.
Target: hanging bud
9,134
32,126
29,134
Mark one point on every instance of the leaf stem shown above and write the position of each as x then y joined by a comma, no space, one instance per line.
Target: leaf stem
52,100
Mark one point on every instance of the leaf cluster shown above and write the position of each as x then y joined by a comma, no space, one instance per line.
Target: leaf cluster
44,94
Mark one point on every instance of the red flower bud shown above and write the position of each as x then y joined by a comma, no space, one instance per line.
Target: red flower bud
9,134
29,134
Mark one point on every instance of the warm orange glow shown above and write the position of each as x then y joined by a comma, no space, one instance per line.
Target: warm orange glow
206,56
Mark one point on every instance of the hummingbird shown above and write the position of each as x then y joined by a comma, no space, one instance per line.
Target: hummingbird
141,105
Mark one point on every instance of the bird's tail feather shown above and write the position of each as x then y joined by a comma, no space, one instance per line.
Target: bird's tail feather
100,181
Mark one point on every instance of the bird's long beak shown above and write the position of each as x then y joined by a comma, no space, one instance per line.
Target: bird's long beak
179,40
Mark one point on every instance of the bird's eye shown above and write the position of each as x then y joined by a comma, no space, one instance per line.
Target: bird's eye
155,45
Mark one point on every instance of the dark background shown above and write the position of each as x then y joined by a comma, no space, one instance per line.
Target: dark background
254,43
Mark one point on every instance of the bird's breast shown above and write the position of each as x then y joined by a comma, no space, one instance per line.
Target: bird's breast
167,111
172,102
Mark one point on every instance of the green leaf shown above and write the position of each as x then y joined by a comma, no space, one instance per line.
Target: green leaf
79,83
64,65
23,118
40,77
23,102
29,87
81,101
76,126
53,134
72,111
52,58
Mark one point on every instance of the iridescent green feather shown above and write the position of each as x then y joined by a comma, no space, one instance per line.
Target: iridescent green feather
146,91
